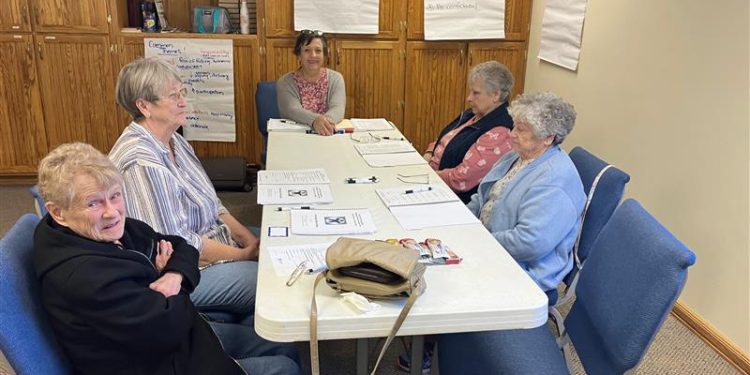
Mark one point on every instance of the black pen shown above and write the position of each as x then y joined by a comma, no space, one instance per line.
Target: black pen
418,190
393,139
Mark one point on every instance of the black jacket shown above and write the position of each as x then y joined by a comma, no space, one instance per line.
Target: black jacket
457,148
105,316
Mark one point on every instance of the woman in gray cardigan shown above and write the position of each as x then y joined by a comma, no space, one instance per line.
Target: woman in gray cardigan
312,94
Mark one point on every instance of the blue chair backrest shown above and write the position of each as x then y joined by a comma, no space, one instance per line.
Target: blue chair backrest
607,196
266,107
41,209
632,279
26,338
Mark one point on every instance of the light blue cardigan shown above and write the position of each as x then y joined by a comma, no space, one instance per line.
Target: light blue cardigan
537,215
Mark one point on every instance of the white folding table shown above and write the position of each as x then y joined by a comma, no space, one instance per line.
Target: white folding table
487,291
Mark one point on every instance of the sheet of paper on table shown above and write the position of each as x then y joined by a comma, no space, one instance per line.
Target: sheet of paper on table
394,160
384,148
329,222
408,195
283,125
433,215
294,194
293,176
286,258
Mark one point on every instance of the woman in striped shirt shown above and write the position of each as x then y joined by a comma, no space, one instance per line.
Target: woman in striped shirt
167,188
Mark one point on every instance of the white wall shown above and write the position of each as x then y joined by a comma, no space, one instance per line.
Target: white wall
662,92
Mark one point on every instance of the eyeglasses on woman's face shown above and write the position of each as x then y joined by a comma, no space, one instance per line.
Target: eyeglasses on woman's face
313,32
175,96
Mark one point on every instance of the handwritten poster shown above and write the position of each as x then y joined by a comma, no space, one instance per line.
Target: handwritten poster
337,16
206,69
464,19
562,26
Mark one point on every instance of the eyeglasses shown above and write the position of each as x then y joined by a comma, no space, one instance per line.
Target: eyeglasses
313,32
420,178
176,96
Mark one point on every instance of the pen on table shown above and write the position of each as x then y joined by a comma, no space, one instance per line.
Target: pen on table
311,131
361,180
294,208
418,190
344,131
311,271
287,121
393,138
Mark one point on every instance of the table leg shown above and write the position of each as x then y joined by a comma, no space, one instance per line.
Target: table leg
362,360
417,349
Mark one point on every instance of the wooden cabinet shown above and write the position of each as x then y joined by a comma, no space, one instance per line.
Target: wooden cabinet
435,88
15,16
278,19
373,73
512,54
517,19
75,73
70,16
22,135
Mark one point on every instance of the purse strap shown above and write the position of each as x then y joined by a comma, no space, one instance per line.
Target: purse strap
315,355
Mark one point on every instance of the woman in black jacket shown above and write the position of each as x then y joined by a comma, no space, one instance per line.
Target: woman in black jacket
116,291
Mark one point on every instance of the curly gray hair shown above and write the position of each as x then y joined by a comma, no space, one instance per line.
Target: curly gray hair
546,113
59,168
496,77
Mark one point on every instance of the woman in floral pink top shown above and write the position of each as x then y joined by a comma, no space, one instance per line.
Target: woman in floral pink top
470,144
312,94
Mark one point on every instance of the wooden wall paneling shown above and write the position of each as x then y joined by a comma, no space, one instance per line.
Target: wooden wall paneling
415,20
279,18
127,49
22,135
373,73
280,58
15,16
77,89
435,87
246,76
517,19
80,16
512,54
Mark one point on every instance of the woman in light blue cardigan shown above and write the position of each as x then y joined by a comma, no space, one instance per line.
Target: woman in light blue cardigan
532,199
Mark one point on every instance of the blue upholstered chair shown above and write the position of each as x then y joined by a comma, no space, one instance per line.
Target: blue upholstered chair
635,272
266,107
26,337
604,185
41,209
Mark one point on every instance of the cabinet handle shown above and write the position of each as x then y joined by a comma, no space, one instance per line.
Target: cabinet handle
39,50
461,51
36,17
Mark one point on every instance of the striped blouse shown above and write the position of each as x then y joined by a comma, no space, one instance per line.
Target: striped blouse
175,198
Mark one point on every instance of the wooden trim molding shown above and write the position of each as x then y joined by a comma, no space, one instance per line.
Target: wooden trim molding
715,339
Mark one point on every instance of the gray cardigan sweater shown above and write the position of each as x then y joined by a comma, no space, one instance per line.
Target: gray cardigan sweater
290,104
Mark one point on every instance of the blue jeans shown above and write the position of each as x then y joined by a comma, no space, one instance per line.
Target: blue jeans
255,354
226,291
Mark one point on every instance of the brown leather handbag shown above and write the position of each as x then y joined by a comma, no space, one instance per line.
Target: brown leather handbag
375,270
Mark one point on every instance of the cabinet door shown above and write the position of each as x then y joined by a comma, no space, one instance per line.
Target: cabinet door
126,50
435,88
373,74
517,19
15,16
22,138
512,54
246,77
278,18
280,58
70,16
78,89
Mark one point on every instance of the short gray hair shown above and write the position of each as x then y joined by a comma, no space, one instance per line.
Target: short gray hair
144,79
546,113
60,167
496,77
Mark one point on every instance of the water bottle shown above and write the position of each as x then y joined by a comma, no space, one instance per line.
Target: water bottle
244,18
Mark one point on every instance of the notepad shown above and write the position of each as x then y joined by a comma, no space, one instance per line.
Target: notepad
293,176
437,193
394,160
275,124
384,148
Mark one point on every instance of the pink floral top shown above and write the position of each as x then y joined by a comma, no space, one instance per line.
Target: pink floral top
314,95
478,160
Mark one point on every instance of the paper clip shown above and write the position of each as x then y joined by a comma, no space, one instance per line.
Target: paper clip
296,273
